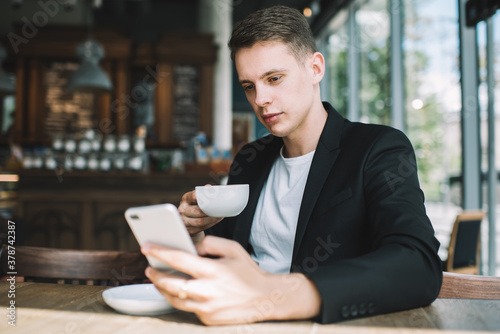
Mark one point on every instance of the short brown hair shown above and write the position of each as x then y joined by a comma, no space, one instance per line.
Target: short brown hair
277,23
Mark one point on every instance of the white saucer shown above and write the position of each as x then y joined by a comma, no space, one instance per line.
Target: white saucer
137,299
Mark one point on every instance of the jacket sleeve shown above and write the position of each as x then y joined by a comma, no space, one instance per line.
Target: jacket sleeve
401,270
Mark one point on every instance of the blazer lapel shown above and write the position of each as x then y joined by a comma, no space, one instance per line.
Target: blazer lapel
259,177
326,153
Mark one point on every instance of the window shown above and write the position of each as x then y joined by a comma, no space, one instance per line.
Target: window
336,54
433,94
373,23
432,81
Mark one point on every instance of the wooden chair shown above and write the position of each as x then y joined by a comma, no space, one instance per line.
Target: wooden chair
89,267
465,244
469,286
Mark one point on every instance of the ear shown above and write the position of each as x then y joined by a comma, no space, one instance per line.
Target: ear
318,67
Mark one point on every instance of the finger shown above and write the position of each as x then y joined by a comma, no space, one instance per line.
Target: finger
216,246
165,283
172,286
189,206
187,305
190,264
191,211
195,225
189,197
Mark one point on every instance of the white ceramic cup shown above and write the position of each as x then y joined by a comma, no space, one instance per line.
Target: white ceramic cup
223,200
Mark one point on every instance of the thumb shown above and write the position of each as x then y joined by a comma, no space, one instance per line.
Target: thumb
221,247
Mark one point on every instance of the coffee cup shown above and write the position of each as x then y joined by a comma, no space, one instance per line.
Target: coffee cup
222,200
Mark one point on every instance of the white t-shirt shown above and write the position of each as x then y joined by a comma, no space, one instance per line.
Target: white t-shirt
275,221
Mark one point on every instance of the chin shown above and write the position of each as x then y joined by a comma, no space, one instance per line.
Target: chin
278,129
278,132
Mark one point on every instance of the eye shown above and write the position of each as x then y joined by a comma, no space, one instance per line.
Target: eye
248,87
275,79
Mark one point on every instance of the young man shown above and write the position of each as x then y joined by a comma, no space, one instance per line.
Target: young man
335,227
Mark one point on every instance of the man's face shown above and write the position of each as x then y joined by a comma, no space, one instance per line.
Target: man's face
278,86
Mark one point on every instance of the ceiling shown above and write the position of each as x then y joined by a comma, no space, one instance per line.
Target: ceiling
185,12
146,19
148,16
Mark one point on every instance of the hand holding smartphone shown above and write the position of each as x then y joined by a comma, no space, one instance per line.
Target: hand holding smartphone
162,225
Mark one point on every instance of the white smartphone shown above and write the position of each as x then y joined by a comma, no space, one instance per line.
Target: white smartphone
162,225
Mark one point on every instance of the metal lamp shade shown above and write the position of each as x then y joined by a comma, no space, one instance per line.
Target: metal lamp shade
89,77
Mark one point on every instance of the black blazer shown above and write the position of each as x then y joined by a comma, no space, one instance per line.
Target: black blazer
363,236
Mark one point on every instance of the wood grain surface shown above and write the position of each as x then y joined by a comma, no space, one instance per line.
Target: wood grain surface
57,308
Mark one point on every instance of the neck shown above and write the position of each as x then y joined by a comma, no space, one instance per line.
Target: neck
306,140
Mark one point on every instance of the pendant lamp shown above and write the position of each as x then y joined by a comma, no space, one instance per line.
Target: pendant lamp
89,77
6,83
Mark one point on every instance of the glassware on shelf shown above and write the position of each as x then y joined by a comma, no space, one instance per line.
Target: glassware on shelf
93,162
119,162
178,161
110,144
37,160
84,145
27,160
57,142
50,161
89,134
135,162
70,144
123,143
79,162
96,142
105,162
163,161
68,162
139,144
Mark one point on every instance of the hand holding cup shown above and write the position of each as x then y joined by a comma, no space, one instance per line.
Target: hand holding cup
232,198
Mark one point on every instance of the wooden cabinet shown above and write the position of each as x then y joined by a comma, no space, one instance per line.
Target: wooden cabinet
175,72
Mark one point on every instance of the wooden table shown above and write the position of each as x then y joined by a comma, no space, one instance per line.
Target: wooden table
77,309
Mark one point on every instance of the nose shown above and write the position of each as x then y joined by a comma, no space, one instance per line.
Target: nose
262,96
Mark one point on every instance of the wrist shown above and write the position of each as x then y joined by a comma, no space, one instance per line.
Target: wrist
197,237
295,297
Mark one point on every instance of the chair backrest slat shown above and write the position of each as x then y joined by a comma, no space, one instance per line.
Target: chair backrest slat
51,263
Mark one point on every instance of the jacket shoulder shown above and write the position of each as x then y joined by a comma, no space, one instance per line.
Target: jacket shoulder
371,134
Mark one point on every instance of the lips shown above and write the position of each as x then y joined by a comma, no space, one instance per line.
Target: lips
269,118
